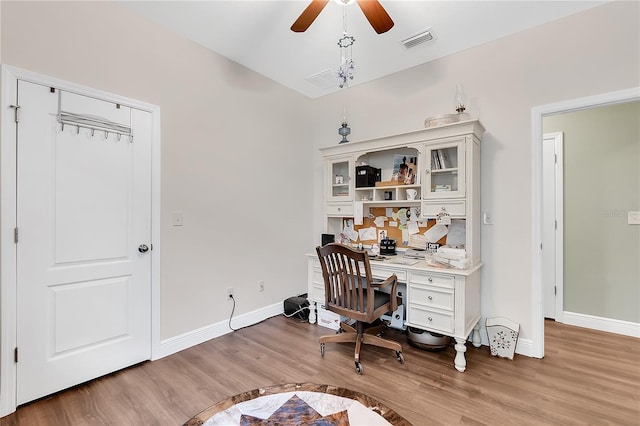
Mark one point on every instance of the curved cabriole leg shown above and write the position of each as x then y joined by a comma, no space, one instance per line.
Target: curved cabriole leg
460,361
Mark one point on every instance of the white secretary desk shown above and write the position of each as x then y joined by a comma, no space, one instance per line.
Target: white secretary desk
440,300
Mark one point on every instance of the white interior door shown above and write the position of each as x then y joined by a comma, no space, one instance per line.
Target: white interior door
83,210
552,225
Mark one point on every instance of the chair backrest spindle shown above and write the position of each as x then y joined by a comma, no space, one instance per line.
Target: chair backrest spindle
347,273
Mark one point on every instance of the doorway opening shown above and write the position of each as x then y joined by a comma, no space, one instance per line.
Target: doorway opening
537,116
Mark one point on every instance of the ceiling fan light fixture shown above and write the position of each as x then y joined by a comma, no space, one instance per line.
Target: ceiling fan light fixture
422,37
372,9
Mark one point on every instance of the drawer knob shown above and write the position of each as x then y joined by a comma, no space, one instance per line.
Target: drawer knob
430,280
430,297
430,319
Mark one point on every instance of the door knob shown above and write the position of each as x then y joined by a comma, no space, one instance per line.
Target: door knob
143,248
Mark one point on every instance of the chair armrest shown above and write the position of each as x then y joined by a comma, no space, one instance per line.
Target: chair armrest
390,281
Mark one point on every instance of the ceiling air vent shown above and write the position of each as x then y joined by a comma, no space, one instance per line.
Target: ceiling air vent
420,38
324,79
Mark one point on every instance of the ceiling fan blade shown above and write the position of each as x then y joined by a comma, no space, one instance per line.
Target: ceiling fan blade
309,15
376,15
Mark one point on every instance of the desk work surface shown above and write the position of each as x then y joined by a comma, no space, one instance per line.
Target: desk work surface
407,263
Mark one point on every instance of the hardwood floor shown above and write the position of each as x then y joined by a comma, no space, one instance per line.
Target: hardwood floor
586,377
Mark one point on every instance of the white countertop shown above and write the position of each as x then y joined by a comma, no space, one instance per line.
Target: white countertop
422,265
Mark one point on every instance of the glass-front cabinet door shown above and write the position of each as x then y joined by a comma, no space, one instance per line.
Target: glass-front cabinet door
444,176
340,184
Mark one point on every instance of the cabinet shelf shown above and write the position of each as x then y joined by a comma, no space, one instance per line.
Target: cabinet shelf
393,203
449,170
367,188
379,194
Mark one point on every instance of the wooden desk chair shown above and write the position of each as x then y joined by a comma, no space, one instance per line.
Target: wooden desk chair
351,292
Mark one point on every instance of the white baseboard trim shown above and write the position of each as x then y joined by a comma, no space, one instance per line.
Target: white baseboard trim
603,324
178,343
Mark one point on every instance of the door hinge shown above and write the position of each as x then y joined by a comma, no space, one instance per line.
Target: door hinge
555,290
556,225
15,235
15,109
15,355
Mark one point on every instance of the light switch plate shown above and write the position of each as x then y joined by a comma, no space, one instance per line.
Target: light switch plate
487,218
633,218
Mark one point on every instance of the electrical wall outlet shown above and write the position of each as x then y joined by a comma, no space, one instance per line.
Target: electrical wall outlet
230,294
633,218
261,286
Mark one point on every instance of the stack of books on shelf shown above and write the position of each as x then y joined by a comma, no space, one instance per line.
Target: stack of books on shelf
440,159
441,188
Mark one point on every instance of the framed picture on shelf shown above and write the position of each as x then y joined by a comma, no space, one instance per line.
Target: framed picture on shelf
404,172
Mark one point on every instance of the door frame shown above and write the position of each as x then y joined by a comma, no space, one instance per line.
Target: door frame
8,219
557,138
537,114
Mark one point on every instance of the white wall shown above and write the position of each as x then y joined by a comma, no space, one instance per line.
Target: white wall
235,152
593,52
235,144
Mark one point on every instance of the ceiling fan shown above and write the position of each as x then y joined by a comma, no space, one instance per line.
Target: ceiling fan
372,9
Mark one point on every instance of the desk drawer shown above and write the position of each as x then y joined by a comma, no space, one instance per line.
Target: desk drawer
454,208
431,320
432,297
341,210
380,272
432,279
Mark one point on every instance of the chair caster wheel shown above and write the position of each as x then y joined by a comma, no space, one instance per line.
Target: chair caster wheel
321,349
358,368
400,357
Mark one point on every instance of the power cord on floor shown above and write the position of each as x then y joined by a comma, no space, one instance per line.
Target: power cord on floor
298,311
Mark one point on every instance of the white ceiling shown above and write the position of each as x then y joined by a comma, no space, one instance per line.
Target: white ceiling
256,34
